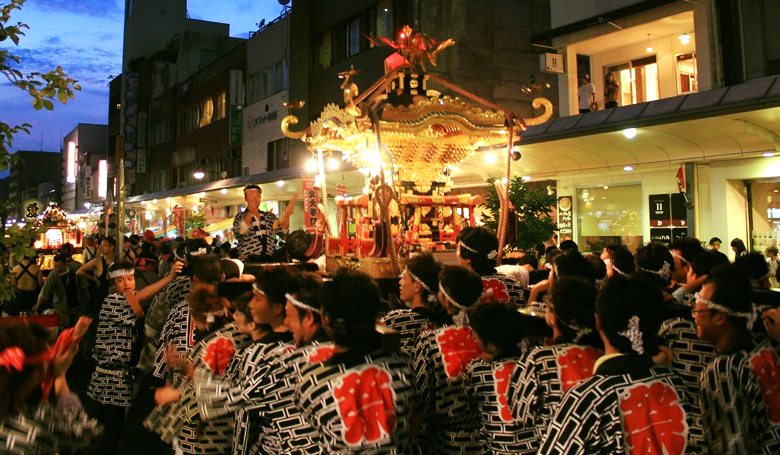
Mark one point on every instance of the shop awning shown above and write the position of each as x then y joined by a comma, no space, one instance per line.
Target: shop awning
219,226
728,123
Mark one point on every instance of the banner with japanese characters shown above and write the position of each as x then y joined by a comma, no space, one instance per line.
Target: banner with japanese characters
310,201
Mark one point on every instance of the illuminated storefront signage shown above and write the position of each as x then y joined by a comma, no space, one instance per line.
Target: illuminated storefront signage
102,178
70,163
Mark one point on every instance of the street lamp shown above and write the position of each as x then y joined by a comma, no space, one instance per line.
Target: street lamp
200,173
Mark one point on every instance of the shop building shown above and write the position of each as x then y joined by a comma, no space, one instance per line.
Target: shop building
690,149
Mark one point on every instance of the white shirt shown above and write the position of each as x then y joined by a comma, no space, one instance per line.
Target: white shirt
586,92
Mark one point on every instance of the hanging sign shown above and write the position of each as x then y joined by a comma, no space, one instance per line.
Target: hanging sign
660,214
564,216
310,201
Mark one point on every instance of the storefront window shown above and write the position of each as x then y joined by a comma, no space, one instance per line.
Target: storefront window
686,73
764,215
638,80
609,215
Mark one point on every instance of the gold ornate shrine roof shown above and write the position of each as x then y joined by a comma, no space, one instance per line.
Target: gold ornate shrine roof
401,124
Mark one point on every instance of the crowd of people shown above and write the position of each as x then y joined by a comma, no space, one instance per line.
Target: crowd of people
666,350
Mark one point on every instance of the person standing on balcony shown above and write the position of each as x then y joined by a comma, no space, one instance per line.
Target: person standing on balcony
257,231
586,94
611,91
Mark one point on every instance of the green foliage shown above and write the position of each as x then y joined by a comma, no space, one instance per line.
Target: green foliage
534,224
17,241
43,87
196,220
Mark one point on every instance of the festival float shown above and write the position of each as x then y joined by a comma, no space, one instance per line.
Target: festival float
406,133
55,229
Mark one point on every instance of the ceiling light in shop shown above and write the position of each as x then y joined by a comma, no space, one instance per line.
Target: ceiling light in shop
628,168
629,133
280,183
223,191
768,154
490,158
684,38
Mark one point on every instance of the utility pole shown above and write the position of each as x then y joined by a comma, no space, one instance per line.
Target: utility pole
120,192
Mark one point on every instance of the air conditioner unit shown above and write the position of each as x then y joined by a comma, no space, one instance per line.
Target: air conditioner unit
551,63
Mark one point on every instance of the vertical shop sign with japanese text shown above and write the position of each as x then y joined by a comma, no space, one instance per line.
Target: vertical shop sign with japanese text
310,201
564,217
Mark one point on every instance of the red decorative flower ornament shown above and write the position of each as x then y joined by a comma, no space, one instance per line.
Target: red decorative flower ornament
458,347
653,419
12,358
503,373
366,404
218,354
575,364
494,289
322,354
765,367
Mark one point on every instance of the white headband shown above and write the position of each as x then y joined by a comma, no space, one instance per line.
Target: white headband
750,316
615,269
634,335
462,318
302,305
257,289
665,272
121,272
491,255
431,295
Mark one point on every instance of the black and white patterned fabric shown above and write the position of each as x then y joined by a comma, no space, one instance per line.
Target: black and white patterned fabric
440,360
111,382
261,238
179,334
247,390
629,406
501,288
362,408
48,429
409,323
691,355
176,291
180,419
284,429
740,399
501,433
538,384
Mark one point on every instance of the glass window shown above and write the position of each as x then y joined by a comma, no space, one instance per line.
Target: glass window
181,123
324,51
638,80
686,73
278,156
206,112
255,86
194,118
384,20
765,215
221,106
611,215
353,38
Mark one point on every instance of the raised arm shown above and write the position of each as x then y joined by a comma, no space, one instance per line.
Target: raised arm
150,291
83,271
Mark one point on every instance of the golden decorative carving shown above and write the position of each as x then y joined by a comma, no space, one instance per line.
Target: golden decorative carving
548,111
286,122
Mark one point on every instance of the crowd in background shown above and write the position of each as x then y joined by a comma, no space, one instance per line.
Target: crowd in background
664,350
